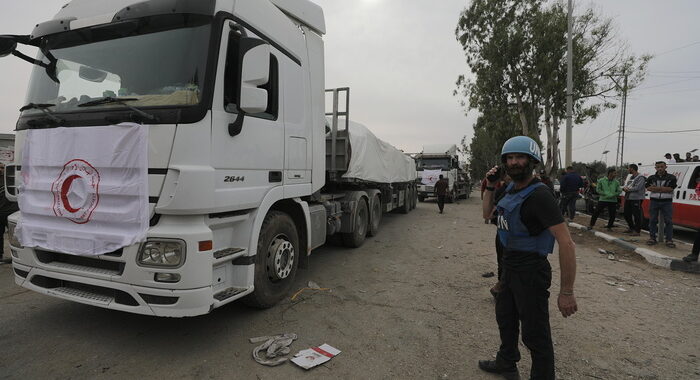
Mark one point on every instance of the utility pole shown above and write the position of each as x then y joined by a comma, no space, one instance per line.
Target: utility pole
620,157
569,87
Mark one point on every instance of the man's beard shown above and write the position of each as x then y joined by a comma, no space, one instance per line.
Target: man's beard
520,173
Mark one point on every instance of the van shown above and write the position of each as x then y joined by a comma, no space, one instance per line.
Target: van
686,202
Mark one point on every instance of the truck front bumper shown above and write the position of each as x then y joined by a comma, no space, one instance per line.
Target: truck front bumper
114,295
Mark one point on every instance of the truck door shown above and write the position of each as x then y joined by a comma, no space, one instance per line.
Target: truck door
248,157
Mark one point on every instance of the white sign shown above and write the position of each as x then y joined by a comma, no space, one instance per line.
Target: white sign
84,190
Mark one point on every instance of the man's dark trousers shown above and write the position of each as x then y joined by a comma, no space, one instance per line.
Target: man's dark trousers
633,215
568,204
525,299
441,202
612,212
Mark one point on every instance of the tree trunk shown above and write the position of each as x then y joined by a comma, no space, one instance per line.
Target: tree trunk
523,116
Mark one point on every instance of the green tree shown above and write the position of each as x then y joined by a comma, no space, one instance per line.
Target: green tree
516,50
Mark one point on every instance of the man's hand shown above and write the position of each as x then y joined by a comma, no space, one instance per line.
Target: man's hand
493,171
567,305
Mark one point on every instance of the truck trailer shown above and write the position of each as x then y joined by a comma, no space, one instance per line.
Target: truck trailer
175,156
441,159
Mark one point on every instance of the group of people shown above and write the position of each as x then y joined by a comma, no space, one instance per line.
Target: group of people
676,158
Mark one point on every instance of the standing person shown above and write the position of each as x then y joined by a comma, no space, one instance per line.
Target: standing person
677,158
441,190
696,246
634,195
569,188
6,209
529,222
688,157
661,186
546,180
609,190
669,158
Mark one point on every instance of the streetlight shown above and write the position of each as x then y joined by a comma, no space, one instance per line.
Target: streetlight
605,153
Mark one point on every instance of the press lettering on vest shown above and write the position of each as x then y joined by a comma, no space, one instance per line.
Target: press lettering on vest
502,223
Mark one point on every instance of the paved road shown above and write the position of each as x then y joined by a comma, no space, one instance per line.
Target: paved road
409,304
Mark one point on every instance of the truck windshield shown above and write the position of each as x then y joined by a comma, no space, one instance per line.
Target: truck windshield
434,163
159,61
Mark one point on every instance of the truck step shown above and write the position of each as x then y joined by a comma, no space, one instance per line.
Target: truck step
228,293
227,252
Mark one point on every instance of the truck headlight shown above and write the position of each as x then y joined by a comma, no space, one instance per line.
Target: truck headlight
162,253
13,239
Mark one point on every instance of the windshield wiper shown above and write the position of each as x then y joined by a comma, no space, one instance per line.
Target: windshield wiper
45,109
121,101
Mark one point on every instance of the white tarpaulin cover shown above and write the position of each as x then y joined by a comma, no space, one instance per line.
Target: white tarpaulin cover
374,160
85,190
430,177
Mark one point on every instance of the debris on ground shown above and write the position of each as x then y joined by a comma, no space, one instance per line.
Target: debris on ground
488,275
315,356
269,353
310,286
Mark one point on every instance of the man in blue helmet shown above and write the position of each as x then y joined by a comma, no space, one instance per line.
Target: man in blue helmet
529,222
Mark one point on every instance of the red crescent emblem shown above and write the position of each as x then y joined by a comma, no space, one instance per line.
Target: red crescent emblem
64,193
85,198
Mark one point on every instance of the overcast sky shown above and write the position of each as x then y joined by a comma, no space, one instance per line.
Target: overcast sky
401,60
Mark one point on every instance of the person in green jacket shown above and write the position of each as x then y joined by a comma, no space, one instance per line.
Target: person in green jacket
609,191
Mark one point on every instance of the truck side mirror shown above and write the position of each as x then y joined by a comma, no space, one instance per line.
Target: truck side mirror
7,45
255,72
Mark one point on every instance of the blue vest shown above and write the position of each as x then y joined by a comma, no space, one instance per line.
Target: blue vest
512,233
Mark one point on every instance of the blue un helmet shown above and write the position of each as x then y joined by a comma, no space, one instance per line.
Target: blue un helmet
524,145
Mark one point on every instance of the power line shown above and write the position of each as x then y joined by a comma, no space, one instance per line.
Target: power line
597,141
681,131
678,48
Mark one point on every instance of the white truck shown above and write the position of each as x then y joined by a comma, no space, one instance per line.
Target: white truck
248,171
436,160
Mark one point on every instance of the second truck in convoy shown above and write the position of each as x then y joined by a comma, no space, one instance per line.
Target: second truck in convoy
248,170
436,160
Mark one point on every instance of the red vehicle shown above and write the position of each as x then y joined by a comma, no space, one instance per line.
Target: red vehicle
686,201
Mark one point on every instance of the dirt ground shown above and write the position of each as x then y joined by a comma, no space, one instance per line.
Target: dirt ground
409,304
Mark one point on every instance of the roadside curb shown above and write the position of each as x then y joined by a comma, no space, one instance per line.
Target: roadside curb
650,256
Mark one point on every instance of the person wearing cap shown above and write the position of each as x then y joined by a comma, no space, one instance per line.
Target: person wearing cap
529,223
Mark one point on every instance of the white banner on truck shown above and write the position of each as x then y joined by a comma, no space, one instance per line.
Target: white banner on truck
430,177
85,190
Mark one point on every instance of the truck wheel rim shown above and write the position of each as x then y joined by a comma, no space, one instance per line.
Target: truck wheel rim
280,258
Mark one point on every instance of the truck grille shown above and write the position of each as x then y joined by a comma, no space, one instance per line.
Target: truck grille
89,265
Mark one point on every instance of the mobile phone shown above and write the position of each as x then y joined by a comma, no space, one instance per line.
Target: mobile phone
495,177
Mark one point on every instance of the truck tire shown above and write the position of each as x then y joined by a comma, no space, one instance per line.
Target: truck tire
355,238
406,199
375,216
412,198
421,198
276,261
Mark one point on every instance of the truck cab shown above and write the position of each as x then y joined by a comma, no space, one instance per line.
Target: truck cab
215,82
436,160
